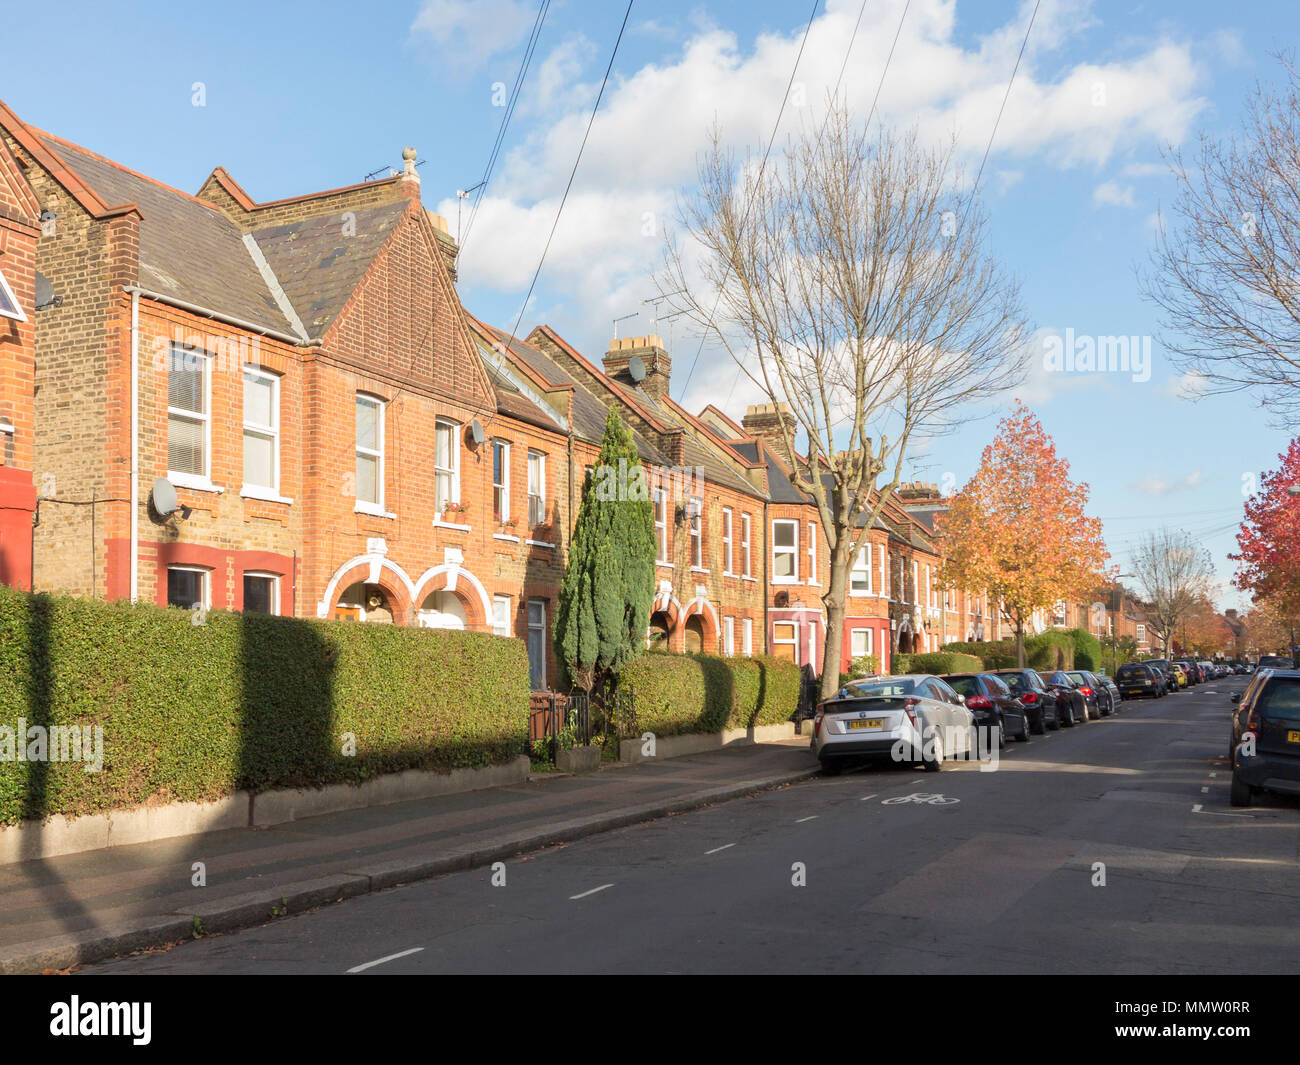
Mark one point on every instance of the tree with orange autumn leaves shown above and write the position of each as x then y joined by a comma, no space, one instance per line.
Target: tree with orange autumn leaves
1268,562
1018,527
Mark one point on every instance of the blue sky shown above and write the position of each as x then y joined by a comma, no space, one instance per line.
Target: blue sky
333,92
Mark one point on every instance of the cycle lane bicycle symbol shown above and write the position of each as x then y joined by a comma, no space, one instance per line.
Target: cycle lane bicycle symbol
920,797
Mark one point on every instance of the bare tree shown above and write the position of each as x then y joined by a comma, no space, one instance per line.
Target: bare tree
1174,573
849,279
1226,267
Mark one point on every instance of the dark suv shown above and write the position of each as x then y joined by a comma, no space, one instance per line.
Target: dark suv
1037,699
1274,662
1071,703
1269,711
1137,679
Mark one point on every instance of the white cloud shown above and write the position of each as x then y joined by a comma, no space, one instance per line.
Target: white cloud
653,125
1190,385
467,33
1162,485
1142,170
1113,194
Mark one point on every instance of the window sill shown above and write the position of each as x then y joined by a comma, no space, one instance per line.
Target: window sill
664,565
698,569
540,543
785,580
252,491
504,536
198,484
372,510
437,524
868,594
752,580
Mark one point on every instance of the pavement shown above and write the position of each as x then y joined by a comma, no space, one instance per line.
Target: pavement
1107,848
59,912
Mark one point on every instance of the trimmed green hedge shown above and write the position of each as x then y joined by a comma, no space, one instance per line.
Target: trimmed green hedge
675,694
936,662
242,701
995,654
1087,649
1049,650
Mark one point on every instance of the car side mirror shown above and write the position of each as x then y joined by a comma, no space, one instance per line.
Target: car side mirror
961,699
1236,698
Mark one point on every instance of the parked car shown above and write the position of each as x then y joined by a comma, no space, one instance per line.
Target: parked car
1092,697
1039,701
1207,669
1093,689
1241,669
1194,676
1166,674
992,702
1138,680
915,717
1270,710
1069,697
1115,697
1275,662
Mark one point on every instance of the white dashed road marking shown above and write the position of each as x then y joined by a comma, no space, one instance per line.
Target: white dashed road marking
803,819
593,891
380,961
722,848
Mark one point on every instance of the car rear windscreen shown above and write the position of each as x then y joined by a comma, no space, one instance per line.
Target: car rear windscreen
963,685
881,688
1280,699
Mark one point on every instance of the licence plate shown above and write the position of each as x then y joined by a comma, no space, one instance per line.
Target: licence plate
1293,736
865,723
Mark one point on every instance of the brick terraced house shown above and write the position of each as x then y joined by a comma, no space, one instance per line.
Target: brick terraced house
283,407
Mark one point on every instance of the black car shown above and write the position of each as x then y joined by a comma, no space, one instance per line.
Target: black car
1094,691
1274,662
992,702
1115,697
1039,701
1162,665
1138,680
1269,716
1069,697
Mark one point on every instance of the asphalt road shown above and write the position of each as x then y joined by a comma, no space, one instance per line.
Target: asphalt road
1003,880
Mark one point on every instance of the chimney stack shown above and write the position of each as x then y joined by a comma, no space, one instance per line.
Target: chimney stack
655,363
764,420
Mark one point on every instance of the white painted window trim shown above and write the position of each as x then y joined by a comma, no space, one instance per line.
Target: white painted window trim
505,536
696,527
728,635
272,431
747,557
812,555
456,526
451,472
727,559
201,481
540,484
660,502
205,584
747,636
509,627
274,578
505,485
19,315
864,553
369,506
252,491
792,551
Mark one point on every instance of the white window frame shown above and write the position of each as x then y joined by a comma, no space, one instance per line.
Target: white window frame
504,486
746,556
274,578
205,583
727,554
792,551
370,506
271,431
793,641
869,642
812,640
747,636
449,473
696,525
499,623
862,566
193,480
19,315
539,483
728,635
532,625
661,526
916,584
812,552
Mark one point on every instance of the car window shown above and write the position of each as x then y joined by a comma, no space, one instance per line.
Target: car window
1280,699
883,687
964,685
943,692
996,684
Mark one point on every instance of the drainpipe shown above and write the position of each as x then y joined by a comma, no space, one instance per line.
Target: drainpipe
135,443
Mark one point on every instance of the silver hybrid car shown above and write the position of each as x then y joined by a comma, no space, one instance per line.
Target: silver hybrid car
911,718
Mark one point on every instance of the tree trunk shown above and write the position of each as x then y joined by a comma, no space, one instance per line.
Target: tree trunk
1020,643
835,603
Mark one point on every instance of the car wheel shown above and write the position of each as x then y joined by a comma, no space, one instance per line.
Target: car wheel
833,768
1241,793
1023,736
1002,734
1069,717
935,762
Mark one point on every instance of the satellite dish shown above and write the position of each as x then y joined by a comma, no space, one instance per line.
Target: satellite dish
476,432
164,497
45,294
636,369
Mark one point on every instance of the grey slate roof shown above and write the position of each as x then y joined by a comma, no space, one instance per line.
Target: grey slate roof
318,267
188,249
